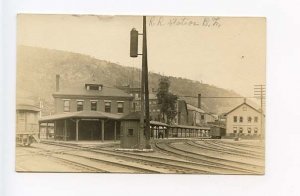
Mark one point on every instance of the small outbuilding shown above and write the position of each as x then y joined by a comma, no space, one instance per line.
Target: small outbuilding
129,131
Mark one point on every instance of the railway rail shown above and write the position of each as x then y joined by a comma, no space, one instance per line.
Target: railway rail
235,147
222,151
171,156
234,167
78,166
218,148
158,165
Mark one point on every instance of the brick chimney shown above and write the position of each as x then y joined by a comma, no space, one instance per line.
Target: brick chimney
199,100
57,82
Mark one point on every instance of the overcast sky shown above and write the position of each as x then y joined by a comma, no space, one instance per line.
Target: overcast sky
226,52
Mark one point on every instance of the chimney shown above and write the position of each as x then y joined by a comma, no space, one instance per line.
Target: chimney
245,100
57,82
199,100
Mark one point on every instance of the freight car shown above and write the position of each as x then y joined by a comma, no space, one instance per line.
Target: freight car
27,127
217,132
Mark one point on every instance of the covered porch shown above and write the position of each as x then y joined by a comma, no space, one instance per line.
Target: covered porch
84,126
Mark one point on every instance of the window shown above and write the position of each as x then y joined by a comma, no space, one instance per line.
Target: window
255,130
235,119
241,129
202,116
94,105
234,129
241,119
249,129
245,108
107,106
94,87
249,119
130,132
79,105
21,116
255,119
120,107
66,105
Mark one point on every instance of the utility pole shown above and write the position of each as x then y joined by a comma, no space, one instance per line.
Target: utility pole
260,92
144,133
145,69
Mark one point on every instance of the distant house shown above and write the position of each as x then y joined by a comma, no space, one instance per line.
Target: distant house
90,112
244,120
198,117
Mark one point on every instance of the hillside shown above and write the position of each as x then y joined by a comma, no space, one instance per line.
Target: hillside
37,67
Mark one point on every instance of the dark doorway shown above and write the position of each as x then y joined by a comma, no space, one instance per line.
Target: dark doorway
89,130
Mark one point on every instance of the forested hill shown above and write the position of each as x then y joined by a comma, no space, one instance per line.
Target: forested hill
37,67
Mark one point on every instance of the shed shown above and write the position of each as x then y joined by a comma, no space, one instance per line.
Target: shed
129,133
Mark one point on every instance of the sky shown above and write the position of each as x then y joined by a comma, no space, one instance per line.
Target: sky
223,51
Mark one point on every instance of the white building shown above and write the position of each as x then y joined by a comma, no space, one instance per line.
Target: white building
244,120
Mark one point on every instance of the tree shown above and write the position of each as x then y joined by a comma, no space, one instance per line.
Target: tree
166,100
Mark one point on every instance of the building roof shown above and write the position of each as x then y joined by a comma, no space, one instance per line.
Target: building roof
27,107
136,116
82,91
132,116
81,114
189,127
153,122
244,103
193,108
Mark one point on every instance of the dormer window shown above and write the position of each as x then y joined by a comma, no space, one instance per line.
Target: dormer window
97,87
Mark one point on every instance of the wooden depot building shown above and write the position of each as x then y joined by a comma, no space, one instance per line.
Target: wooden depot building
92,112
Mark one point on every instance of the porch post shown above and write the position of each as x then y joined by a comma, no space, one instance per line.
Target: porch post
55,130
47,130
115,131
102,130
77,129
65,130
39,130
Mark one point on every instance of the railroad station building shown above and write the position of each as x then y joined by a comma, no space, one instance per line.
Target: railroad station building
244,120
90,112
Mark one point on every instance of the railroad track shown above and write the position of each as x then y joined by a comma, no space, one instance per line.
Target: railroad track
234,146
76,165
231,166
219,148
251,146
158,165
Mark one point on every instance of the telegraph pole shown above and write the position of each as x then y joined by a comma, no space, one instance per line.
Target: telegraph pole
144,133
145,70
260,92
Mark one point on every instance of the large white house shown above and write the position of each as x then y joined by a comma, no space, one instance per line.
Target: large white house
244,120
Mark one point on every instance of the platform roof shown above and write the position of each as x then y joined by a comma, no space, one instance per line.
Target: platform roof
189,127
81,114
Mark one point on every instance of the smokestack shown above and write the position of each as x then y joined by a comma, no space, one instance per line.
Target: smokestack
57,82
199,100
